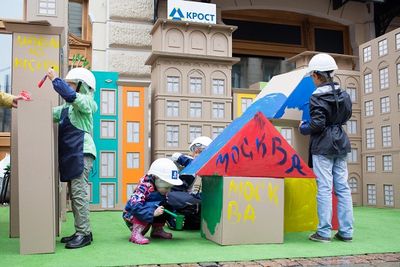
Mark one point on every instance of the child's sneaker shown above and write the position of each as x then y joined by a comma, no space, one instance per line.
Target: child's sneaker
317,238
342,238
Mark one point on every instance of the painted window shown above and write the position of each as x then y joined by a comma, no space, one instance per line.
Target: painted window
384,78
173,84
107,196
130,188
246,102
133,98
172,136
172,108
107,129
47,7
398,73
194,132
353,185
133,160
386,136
218,86
368,83
367,53
382,47
351,127
352,93
218,110
388,195
352,156
195,85
385,104
370,163
369,108
370,134
133,134
107,163
397,41
287,133
387,163
195,109
216,131
371,194
398,101
107,106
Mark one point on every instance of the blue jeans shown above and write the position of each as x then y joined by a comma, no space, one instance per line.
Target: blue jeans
332,170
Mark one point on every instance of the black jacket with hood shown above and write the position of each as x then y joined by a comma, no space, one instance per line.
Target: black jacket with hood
329,110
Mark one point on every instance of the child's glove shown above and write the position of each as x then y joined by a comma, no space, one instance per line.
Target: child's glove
159,211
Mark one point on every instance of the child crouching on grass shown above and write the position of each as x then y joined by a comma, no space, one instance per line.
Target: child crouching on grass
145,207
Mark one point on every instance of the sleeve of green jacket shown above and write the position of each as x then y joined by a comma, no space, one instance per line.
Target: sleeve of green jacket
6,100
85,104
57,113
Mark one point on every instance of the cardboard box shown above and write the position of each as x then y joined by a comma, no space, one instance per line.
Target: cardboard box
242,210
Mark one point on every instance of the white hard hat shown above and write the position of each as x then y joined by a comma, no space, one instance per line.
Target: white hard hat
322,62
201,141
166,170
83,75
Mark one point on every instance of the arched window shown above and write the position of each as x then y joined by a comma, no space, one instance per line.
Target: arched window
353,185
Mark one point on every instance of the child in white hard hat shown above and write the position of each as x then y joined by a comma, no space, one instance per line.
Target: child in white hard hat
145,207
330,109
185,199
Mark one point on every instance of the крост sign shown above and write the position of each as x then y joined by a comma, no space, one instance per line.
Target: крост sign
192,11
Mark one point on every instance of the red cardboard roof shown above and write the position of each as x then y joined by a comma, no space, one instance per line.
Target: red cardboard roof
257,150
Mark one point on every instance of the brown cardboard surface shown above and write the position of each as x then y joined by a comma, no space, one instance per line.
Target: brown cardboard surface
36,178
32,55
252,212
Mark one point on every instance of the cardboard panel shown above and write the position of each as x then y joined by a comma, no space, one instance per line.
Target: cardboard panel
300,205
257,150
252,210
36,178
33,54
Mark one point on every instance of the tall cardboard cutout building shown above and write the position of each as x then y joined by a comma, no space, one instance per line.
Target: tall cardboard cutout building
34,208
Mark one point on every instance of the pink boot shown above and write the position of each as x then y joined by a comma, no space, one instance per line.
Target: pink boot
138,230
157,231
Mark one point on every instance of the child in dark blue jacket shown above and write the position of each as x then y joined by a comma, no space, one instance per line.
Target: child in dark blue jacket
145,207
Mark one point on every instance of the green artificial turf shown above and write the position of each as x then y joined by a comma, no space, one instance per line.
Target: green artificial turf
376,231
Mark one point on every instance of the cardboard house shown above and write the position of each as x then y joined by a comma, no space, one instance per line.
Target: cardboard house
255,185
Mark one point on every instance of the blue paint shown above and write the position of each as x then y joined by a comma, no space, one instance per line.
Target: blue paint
299,98
268,105
273,106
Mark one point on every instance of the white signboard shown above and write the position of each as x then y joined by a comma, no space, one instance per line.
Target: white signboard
192,11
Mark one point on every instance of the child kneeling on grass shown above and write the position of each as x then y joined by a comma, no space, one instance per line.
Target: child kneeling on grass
145,207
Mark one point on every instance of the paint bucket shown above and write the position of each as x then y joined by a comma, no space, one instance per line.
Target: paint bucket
179,219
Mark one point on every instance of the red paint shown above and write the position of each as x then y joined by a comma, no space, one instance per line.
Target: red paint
257,150
335,223
41,82
25,95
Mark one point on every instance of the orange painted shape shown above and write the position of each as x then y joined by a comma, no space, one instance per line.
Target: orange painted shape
132,114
